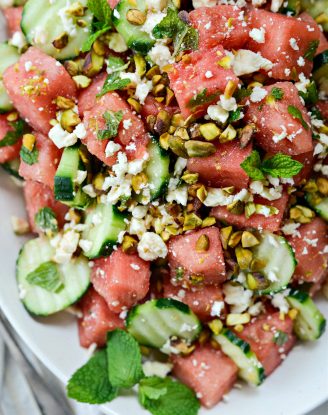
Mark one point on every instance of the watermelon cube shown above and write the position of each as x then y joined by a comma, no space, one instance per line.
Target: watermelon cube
44,169
38,196
271,223
323,42
222,168
208,372
198,80
199,298
87,98
309,244
132,131
323,108
32,85
122,279
220,25
96,320
270,338
307,160
288,40
185,261
278,129
13,16
7,153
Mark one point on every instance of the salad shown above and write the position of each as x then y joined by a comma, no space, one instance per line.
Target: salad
174,160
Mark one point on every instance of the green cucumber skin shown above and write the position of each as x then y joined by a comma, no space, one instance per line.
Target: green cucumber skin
322,212
64,189
164,303
164,159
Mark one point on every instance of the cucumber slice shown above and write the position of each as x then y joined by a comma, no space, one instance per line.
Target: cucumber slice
320,208
320,69
157,169
9,55
134,37
66,189
45,21
155,322
12,168
37,300
309,323
104,223
279,259
250,368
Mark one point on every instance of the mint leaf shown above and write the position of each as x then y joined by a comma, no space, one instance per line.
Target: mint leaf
101,10
277,93
46,220
280,338
90,383
252,166
296,113
167,397
235,115
311,50
311,95
281,165
87,45
46,276
124,359
184,36
113,81
11,137
29,157
201,98
242,93
113,120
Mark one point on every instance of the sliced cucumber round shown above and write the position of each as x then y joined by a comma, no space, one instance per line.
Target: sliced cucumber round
9,55
309,323
278,261
104,224
75,277
320,208
133,35
155,322
250,368
157,169
12,168
47,23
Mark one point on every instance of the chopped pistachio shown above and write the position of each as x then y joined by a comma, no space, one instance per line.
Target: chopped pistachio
177,120
246,134
69,120
210,131
135,17
192,190
244,257
194,131
203,243
209,221
81,81
154,70
98,181
234,319
156,79
256,280
203,337
310,186
159,90
29,141
196,279
239,328
301,214
216,326
169,96
72,67
76,9
248,240
64,103
191,221
177,145
228,134
20,226
230,89
162,123
99,47
182,133
12,116
229,190
61,41
225,62
140,64
138,181
235,239
134,104
250,209
129,244
190,178
201,193
257,265
252,283
322,184
237,207
292,313
197,148
93,64
225,234
164,140
151,120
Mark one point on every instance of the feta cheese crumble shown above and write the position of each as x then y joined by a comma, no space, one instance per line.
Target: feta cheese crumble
151,247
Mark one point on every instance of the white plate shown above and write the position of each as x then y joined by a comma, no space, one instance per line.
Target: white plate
298,386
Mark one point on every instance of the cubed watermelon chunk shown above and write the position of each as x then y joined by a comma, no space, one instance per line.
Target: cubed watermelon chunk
194,90
44,169
87,98
97,320
277,129
152,107
112,3
323,42
287,41
265,335
199,298
7,153
133,133
13,16
309,244
185,259
208,372
271,223
220,25
32,85
307,160
222,168
121,279
323,108
38,196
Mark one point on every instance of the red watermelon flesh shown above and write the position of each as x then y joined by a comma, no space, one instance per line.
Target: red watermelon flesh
208,264
199,298
121,279
309,244
38,196
152,107
112,3
13,16
271,223
287,39
87,98
220,25
277,129
260,334
222,168
208,372
188,79
33,91
97,320
323,45
323,108
44,169
7,153
307,160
